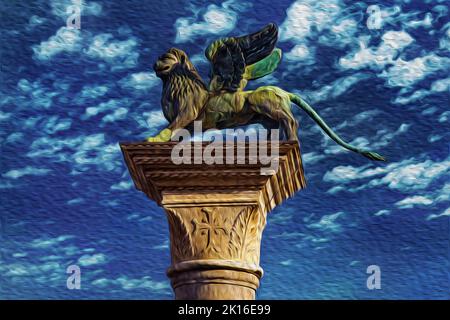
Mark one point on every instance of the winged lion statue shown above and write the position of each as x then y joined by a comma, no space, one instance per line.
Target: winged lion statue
224,103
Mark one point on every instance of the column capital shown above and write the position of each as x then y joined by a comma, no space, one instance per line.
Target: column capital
154,173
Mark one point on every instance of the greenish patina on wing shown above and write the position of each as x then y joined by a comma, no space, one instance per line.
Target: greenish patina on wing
263,67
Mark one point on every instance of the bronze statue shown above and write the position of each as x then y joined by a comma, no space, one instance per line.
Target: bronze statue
225,104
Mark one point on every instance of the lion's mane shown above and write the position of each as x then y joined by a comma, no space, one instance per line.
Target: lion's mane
183,88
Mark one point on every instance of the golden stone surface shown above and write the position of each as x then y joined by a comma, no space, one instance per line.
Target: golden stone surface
216,215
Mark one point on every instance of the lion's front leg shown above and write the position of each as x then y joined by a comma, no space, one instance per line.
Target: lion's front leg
183,119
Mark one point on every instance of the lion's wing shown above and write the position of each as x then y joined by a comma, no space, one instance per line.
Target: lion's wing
235,58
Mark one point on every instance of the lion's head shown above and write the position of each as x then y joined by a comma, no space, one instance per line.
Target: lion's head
170,60
183,85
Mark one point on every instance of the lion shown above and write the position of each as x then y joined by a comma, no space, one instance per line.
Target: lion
225,104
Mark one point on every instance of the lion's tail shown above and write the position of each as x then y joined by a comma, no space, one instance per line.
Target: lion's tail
313,114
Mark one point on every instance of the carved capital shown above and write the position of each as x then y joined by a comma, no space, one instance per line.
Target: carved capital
221,232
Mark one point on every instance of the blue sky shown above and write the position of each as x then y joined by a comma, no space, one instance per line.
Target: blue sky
67,97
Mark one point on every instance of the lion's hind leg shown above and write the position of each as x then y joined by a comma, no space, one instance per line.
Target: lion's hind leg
275,104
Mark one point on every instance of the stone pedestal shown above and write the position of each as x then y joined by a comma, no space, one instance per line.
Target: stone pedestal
216,215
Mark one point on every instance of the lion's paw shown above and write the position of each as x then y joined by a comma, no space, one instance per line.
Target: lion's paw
163,136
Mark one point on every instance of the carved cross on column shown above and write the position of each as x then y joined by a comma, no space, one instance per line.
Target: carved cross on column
211,226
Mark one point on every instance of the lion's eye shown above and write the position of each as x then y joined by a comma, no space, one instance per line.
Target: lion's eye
166,68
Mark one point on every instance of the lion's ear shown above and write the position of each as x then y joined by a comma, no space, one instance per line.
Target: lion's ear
185,62
183,59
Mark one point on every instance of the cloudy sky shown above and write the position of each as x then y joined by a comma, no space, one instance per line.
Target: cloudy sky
377,71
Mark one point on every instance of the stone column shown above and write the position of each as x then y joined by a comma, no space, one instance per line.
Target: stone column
216,215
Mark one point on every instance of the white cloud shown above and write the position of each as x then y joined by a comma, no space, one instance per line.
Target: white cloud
414,176
7,185
344,174
152,120
434,197
429,111
89,260
426,22
406,73
82,152
336,189
122,185
441,85
102,107
383,212
15,137
75,201
399,72
434,137
395,40
93,92
443,195
26,171
114,105
217,20
381,139
384,137
94,152
60,8
126,283
312,157
4,115
446,213
341,32
286,262
392,43
20,254
36,95
26,86
441,10
65,40
344,26
438,86
309,23
388,15
359,118
412,201
54,124
116,115
444,117
47,269
120,54
406,175
141,81
393,16
302,53
444,42
18,270
335,89
328,223
163,246
35,21
44,243
302,16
